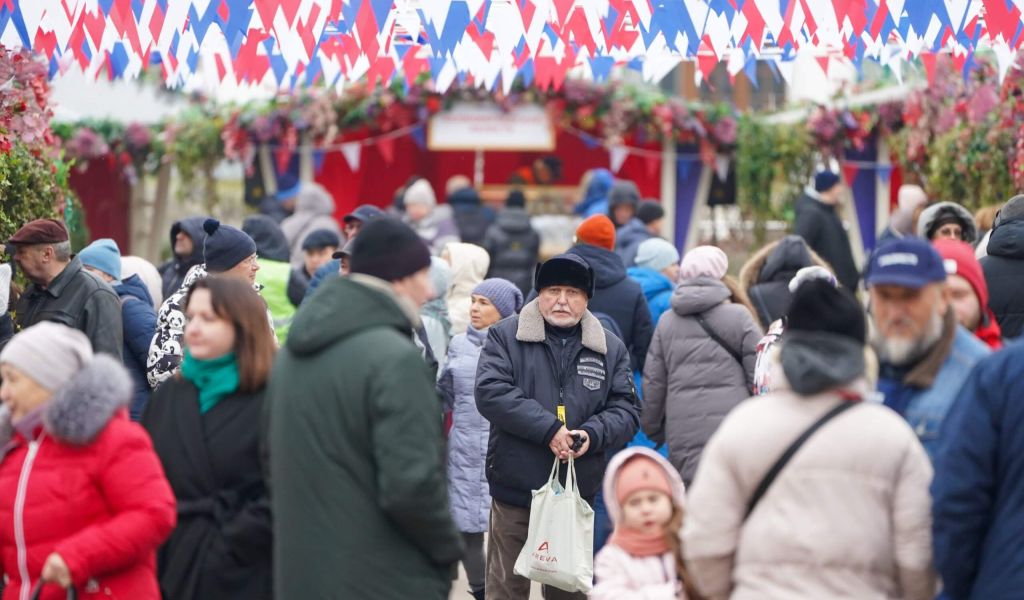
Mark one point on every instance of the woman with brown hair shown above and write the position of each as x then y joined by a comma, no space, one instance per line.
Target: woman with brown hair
205,425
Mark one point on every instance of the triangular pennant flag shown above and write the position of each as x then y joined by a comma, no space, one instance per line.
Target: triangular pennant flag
884,172
386,146
419,136
683,171
653,162
617,155
850,172
352,151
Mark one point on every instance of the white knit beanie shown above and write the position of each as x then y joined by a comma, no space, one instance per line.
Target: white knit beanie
420,193
49,353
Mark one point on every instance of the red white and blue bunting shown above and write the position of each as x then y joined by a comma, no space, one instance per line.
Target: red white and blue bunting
492,42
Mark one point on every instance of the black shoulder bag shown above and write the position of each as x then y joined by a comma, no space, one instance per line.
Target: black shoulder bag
773,472
718,340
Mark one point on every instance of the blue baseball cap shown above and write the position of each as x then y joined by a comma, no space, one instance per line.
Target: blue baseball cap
907,262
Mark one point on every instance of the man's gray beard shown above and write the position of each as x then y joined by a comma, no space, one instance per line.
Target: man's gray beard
900,352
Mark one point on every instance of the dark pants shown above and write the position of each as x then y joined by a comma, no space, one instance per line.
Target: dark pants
509,527
474,561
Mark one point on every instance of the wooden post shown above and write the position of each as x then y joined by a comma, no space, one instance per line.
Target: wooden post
158,222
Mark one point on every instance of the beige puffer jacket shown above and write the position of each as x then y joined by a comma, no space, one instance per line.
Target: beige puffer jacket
848,517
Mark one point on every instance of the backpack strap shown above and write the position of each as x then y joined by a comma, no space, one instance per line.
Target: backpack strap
711,333
773,472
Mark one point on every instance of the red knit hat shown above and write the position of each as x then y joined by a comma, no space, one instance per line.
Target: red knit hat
960,260
641,473
598,231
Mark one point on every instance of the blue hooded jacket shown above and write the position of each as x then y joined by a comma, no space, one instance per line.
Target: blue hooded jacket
657,290
139,321
596,200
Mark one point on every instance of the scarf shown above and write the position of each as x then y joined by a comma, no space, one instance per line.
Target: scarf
640,544
216,379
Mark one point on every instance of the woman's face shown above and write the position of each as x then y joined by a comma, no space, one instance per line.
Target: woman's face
207,334
20,393
482,314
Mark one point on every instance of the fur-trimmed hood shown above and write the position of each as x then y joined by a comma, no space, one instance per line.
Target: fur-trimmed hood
531,328
83,406
933,212
750,273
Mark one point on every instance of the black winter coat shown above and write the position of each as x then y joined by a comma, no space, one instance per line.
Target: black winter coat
769,292
173,271
514,247
621,298
138,317
222,545
1004,273
472,219
820,226
524,373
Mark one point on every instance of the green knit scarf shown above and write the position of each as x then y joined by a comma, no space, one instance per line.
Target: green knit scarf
216,378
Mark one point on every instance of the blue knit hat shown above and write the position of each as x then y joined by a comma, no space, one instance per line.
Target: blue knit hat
103,255
225,246
656,253
503,294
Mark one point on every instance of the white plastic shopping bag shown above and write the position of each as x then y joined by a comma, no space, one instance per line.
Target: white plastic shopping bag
559,548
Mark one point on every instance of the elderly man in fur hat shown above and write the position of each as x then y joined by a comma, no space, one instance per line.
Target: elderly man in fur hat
552,381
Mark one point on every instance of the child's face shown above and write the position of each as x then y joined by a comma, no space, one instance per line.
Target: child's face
647,511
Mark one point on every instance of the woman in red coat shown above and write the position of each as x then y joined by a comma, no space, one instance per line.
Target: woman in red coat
83,499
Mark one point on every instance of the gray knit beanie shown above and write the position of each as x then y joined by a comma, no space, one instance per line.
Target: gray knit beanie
503,294
50,353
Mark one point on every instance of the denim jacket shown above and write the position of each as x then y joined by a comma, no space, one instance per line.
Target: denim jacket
928,407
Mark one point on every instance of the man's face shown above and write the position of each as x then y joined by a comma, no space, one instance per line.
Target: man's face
833,195
183,245
622,213
32,260
416,287
245,270
561,305
965,302
314,258
352,227
655,226
908,322
949,231
344,268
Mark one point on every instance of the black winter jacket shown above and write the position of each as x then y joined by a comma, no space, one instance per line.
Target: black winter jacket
514,247
138,317
621,298
822,229
221,547
524,373
80,300
472,219
1004,273
769,292
173,271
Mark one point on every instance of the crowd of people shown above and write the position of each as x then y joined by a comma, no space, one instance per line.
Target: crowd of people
308,408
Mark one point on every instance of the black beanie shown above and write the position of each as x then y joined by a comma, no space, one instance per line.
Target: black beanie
565,269
650,211
516,199
388,249
817,306
225,246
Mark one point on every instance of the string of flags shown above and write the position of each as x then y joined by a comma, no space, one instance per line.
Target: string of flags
492,43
